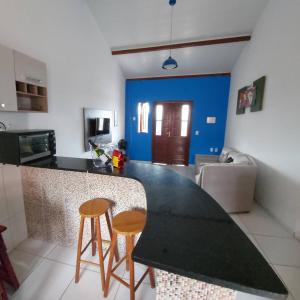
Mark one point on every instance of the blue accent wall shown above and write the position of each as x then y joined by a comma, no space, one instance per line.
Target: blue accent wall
209,96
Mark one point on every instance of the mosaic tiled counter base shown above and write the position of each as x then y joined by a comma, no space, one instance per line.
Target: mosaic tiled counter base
52,199
197,249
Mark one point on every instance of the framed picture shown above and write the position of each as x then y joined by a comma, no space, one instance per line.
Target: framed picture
240,108
260,89
251,96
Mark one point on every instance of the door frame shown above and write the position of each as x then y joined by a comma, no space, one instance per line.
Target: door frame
190,102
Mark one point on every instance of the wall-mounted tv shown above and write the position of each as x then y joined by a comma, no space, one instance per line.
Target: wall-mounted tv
97,126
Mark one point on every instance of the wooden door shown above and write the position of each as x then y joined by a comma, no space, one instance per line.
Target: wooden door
171,132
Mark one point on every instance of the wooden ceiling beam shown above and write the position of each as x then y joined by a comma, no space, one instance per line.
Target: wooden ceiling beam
180,76
226,40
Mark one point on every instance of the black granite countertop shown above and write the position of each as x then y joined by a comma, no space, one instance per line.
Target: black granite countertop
187,232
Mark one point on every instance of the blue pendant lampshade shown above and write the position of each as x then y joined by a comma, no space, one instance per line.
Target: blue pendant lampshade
170,64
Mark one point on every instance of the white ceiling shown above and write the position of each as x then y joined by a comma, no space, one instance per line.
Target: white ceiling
137,23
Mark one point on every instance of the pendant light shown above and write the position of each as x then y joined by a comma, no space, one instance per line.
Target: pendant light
170,63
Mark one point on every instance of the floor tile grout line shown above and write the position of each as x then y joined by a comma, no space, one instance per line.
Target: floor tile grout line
287,266
34,267
275,236
279,275
119,284
30,273
264,254
34,254
291,237
269,259
73,278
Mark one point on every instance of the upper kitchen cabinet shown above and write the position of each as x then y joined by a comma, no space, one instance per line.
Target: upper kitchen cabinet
31,83
8,98
30,70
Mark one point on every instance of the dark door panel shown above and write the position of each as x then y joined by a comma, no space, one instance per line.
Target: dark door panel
169,144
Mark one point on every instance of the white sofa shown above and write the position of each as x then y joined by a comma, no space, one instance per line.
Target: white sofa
230,184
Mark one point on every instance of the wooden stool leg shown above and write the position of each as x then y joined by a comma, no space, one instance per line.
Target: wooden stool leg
79,246
130,240
110,234
110,262
127,256
100,253
151,275
93,237
6,267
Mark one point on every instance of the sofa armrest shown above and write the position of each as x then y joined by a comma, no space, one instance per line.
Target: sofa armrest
231,185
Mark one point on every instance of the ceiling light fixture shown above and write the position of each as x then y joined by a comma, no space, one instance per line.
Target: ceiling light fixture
170,63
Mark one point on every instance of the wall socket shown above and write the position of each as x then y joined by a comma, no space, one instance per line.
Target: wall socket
216,149
197,132
211,149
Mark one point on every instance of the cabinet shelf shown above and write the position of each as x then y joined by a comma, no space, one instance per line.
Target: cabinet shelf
31,95
31,98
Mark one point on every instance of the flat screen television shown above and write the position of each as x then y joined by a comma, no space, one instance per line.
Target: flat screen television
99,126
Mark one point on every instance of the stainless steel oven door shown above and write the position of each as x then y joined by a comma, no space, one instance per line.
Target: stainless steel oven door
34,146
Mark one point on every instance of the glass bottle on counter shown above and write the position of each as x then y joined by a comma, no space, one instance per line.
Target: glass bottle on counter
99,155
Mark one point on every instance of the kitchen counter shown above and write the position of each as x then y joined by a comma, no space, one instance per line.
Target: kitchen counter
187,232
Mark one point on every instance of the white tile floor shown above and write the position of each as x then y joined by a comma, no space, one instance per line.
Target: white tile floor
276,244
46,270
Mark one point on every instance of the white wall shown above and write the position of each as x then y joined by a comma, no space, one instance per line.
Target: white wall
81,70
272,135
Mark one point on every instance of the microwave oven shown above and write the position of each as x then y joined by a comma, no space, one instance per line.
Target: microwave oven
21,146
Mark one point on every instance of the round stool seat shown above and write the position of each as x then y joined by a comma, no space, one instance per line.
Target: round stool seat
129,222
94,208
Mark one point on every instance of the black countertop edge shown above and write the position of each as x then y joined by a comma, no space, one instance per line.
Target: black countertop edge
187,232
214,281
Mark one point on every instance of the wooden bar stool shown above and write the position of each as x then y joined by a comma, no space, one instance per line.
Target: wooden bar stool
7,272
127,223
93,209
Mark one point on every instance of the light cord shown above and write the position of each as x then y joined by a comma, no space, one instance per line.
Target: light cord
171,33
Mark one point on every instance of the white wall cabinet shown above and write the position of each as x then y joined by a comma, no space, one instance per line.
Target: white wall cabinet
30,70
8,97
12,212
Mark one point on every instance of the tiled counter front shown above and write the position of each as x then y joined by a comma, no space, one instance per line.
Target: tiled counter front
174,287
53,197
